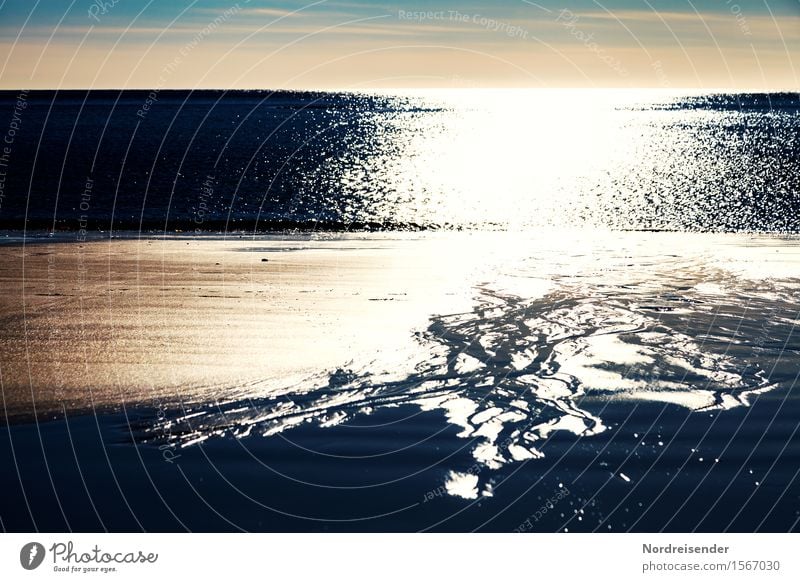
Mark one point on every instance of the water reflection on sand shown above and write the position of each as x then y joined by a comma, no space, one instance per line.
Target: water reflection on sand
553,332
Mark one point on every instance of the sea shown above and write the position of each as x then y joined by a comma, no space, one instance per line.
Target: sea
627,360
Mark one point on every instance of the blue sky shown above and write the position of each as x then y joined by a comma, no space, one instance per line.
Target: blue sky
341,44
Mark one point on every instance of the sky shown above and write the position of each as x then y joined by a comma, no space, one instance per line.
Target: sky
329,44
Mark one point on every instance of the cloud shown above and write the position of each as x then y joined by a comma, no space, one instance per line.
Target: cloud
695,49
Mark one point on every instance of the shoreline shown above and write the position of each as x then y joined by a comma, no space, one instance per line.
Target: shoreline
187,318
18,237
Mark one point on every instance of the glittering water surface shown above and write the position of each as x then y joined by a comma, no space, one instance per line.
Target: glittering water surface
478,159
707,325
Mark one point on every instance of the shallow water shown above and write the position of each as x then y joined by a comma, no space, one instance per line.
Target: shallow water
556,338
580,382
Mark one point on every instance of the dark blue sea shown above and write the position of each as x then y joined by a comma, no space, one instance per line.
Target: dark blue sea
266,161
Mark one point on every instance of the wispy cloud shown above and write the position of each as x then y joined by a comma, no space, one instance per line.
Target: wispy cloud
262,11
305,34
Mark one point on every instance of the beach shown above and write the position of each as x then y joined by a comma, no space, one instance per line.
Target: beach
110,322
428,310
101,324
350,268
440,375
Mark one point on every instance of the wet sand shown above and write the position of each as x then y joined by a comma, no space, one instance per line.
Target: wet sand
102,324
644,380
106,323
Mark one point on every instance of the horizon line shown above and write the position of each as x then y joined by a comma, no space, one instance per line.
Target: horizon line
431,88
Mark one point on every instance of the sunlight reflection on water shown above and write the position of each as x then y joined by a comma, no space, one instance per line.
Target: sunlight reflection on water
521,159
555,328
